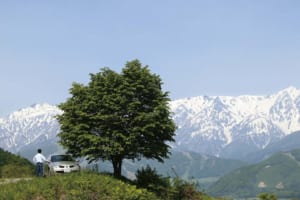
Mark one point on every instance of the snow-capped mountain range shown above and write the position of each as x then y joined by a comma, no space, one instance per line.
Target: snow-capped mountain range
233,127
29,126
224,126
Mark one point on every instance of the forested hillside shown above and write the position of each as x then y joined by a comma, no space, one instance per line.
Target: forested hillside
279,175
14,166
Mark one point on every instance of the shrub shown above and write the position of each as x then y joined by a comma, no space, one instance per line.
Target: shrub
266,196
186,191
149,179
166,188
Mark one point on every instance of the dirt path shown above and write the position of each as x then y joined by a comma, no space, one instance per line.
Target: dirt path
12,180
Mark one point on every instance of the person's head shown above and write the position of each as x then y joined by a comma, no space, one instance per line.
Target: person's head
39,150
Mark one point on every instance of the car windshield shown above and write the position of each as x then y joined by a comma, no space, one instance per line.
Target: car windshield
58,158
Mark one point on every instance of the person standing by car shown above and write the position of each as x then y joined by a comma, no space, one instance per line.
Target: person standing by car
39,159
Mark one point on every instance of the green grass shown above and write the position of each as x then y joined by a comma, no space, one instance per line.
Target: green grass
85,186
93,186
13,166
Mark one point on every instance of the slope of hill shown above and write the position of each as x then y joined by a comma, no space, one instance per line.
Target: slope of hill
14,166
280,175
73,186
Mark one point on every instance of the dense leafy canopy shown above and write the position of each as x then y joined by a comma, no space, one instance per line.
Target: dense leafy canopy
118,116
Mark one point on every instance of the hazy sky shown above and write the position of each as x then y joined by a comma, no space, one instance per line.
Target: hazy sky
198,47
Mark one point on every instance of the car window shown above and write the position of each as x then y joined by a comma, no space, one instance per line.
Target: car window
58,158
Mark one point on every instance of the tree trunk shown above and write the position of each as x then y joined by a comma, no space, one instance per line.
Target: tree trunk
117,165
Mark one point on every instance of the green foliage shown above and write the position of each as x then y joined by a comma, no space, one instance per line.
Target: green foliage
185,190
167,189
149,179
14,166
118,116
266,196
84,186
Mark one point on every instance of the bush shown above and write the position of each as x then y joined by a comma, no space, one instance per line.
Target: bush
187,191
149,179
166,188
266,196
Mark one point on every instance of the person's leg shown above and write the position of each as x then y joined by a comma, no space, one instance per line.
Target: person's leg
40,169
36,170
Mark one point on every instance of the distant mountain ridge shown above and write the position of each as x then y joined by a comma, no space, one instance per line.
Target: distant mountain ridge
29,126
233,127
288,143
224,126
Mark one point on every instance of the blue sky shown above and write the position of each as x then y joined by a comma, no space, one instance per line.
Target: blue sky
198,47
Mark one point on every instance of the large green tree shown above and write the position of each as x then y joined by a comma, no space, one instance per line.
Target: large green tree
118,116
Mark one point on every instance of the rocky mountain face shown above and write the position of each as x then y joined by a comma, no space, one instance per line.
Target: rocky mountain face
224,126
28,126
233,127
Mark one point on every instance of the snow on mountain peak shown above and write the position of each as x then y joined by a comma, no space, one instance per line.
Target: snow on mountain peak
29,125
226,120
36,109
292,91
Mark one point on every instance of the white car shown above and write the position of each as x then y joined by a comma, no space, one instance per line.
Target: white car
62,163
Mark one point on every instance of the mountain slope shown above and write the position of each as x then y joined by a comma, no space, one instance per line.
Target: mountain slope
280,175
288,143
225,125
14,166
29,126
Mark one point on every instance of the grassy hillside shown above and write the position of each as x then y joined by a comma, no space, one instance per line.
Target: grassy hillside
73,186
14,166
91,186
86,185
190,166
280,175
